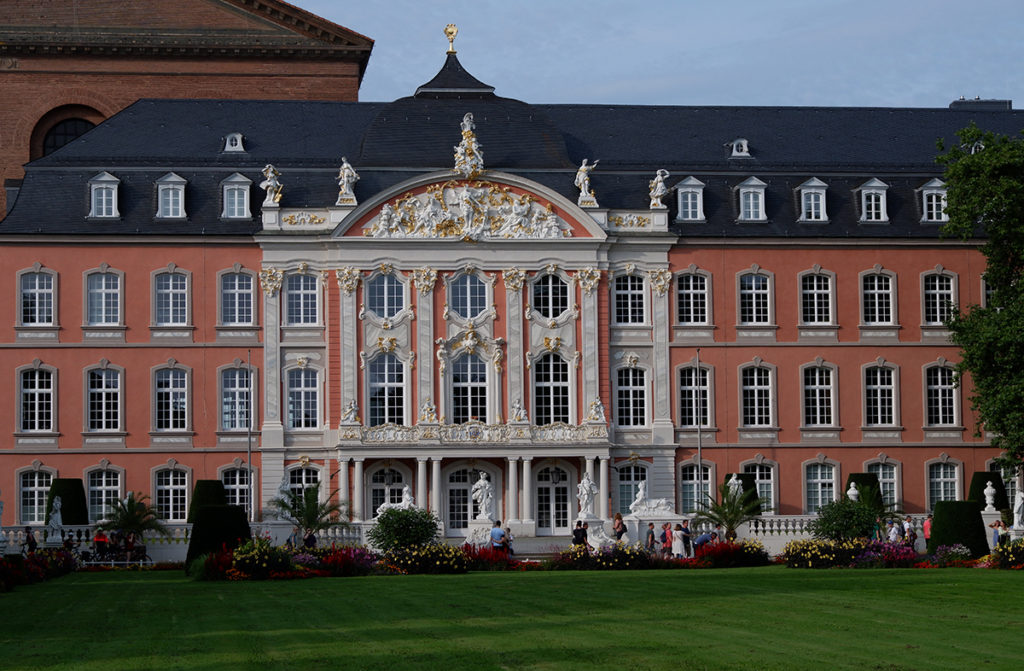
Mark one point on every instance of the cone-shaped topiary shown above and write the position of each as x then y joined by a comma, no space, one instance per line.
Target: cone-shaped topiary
977,490
215,527
206,493
958,522
74,510
870,490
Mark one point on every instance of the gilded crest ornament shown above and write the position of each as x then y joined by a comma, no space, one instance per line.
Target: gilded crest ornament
588,278
514,278
348,278
553,344
424,279
451,31
387,345
660,280
270,280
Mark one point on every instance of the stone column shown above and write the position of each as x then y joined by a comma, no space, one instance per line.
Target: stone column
603,487
435,485
272,432
357,492
421,482
514,279
343,483
663,431
512,502
348,355
423,285
526,505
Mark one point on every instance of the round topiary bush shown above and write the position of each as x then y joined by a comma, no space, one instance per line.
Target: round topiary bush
958,522
398,528
206,493
74,511
843,520
977,491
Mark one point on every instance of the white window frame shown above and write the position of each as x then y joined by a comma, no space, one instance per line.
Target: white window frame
824,394
45,298
812,201
699,392
235,196
103,196
393,388
303,396
471,393
35,494
170,197
37,400
811,298
297,291
755,309
952,478
1010,479
755,393
172,486
874,391
172,398
91,320
692,300
172,304
234,142
468,296
767,488
817,488
106,491
233,296
933,202
632,397
690,200
380,488
302,477
751,193
628,475
555,387
872,198
104,392
235,479
687,474
865,292
552,300
629,302
386,296
941,397
891,488
933,304
238,398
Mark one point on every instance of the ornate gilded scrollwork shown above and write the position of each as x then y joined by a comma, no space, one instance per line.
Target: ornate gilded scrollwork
514,278
424,279
348,278
270,280
588,278
661,280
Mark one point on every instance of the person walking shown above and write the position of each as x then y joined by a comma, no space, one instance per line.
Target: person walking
687,539
649,540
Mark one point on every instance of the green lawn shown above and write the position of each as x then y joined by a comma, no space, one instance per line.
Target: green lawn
766,618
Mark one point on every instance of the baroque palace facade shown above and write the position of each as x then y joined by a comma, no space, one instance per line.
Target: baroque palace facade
485,288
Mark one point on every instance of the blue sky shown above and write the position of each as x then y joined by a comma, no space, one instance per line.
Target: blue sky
886,53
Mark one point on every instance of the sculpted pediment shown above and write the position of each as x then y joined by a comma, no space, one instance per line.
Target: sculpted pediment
471,210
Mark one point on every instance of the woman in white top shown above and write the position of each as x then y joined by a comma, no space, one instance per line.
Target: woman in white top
677,542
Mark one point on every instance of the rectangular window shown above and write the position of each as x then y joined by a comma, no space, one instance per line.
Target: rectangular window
754,299
751,205
941,396
236,299
816,299
103,199
689,205
879,397
818,396
37,299
631,397
104,490
171,495
235,395
629,300
303,399
693,397
694,488
551,390
301,300
764,480
236,486
886,480
104,391
935,206
941,483
104,299
171,400
820,486
938,299
37,400
387,391
236,202
630,478
813,205
757,396
692,299
469,389
877,297
874,206
171,299
35,485
170,202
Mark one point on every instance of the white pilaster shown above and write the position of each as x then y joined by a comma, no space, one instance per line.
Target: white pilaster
435,485
357,492
272,432
343,483
421,481
603,488
512,504
663,431
526,505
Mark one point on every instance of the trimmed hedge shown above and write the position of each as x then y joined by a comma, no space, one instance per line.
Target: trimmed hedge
206,493
869,487
958,522
74,511
216,527
977,490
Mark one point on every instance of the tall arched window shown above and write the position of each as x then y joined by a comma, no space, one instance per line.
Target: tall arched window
387,391
469,389
551,390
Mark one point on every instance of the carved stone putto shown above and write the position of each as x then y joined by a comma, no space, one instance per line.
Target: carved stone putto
472,211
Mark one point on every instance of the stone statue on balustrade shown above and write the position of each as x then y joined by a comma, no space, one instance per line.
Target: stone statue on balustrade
582,182
735,486
271,185
1018,510
517,412
596,411
585,493
407,502
347,177
483,495
658,190
644,506
55,527
351,413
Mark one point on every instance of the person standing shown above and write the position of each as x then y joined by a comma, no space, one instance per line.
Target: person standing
666,540
926,529
687,539
649,540
30,543
618,527
678,552
579,536
498,537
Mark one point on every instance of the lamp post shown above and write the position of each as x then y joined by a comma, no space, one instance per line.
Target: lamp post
248,439
697,417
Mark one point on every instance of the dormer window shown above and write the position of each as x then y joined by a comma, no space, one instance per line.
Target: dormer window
234,142
690,197
873,203
170,197
812,200
751,195
739,147
933,202
235,190
103,196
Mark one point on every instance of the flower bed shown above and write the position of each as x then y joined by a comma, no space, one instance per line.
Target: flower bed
1009,556
36,567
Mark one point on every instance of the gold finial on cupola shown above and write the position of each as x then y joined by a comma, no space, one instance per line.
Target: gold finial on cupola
450,31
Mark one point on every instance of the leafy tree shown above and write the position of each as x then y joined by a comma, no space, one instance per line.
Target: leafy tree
305,510
845,519
732,510
985,196
133,514
401,528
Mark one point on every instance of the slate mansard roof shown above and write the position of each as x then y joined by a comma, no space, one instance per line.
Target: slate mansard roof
388,143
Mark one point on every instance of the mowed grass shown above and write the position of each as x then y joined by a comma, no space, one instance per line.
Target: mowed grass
767,618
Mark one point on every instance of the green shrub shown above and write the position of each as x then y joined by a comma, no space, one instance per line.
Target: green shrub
216,527
958,522
977,491
870,490
397,528
844,519
206,493
74,511
258,557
